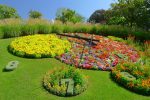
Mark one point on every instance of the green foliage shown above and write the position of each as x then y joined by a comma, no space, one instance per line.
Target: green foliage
116,21
56,28
34,26
134,12
97,17
67,29
30,29
65,81
45,29
134,76
8,12
35,14
68,15
12,31
20,54
1,33
116,38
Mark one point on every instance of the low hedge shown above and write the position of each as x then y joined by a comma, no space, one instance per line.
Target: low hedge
65,81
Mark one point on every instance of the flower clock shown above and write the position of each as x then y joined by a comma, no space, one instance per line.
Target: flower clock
38,46
101,54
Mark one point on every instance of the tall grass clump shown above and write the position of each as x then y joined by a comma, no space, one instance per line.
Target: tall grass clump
68,27
82,27
18,27
11,31
114,30
45,29
1,33
31,27
57,27
147,48
10,28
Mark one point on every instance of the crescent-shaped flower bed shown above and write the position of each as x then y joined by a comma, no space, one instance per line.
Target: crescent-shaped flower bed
133,76
102,54
65,81
39,46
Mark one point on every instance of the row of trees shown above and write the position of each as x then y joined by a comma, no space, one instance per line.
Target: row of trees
133,13
9,12
62,14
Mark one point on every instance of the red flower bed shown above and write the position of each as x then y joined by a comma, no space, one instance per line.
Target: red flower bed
103,53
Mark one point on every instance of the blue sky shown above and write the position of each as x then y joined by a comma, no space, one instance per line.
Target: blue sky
49,7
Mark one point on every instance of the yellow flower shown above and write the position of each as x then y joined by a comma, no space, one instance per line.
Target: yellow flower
41,44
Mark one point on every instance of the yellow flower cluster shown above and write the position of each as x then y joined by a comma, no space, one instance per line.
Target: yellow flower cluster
41,44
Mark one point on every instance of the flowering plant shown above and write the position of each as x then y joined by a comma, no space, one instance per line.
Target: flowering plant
57,81
100,54
137,77
38,46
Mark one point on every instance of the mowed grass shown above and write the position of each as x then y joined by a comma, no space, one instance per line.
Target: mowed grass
25,83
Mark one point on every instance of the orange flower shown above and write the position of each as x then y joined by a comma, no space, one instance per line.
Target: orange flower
131,84
146,82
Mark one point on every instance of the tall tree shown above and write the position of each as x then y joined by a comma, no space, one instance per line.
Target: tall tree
136,12
68,15
8,12
35,14
98,16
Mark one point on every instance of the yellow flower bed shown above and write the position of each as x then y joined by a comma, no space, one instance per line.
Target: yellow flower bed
37,46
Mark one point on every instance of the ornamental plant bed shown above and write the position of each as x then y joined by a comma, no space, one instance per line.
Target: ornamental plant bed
65,81
39,46
102,55
133,76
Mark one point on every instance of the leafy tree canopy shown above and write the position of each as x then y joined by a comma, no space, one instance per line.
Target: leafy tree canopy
135,12
68,15
8,12
97,16
35,14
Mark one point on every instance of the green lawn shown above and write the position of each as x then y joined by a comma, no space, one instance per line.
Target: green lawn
25,83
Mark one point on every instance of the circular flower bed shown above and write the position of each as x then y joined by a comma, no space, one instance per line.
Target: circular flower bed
65,81
133,76
38,46
100,54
